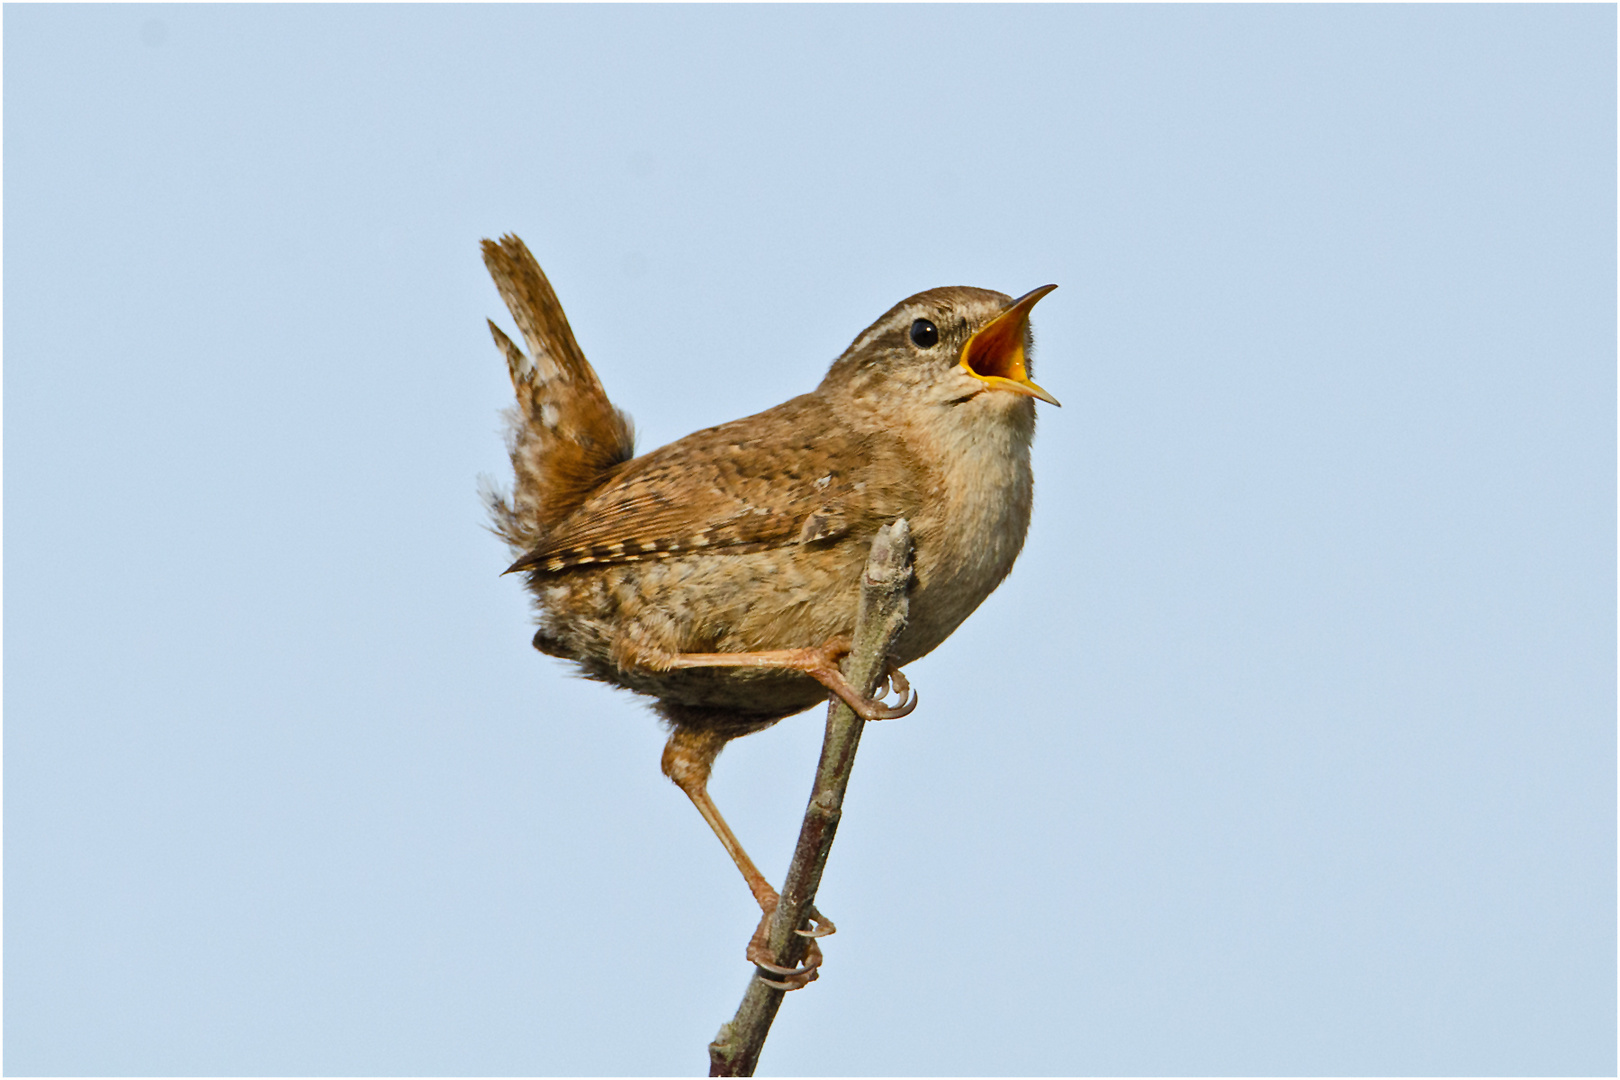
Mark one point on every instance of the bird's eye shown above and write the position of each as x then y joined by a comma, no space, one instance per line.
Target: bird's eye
924,334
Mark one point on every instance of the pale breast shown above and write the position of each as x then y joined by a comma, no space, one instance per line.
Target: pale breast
968,538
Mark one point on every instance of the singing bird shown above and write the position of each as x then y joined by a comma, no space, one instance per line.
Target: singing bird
719,575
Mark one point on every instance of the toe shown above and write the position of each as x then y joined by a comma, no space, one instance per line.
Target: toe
876,710
792,978
820,926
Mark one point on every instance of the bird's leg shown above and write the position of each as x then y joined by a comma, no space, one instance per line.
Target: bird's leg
820,664
688,759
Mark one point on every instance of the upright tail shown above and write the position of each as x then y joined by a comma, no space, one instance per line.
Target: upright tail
564,434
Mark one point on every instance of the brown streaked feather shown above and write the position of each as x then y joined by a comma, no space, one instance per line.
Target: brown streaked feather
565,435
778,478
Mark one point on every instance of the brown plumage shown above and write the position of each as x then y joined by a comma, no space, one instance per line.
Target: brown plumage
718,575
565,434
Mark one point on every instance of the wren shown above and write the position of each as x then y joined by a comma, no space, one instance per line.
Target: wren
719,575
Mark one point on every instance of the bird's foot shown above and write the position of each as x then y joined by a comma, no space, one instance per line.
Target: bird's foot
791,978
867,708
899,686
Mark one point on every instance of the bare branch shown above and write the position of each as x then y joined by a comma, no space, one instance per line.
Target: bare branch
878,621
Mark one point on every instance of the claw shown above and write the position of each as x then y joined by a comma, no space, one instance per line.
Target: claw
792,978
796,984
899,685
778,969
876,710
820,926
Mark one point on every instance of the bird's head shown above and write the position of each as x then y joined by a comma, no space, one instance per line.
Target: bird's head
955,350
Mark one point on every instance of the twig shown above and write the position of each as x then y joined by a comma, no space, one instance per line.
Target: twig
878,621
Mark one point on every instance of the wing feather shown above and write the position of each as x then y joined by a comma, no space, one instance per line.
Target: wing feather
782,477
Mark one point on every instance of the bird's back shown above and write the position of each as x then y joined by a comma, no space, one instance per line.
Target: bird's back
792,476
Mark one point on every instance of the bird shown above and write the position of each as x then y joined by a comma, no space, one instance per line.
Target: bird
718,575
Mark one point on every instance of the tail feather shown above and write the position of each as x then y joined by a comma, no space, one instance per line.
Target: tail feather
564,435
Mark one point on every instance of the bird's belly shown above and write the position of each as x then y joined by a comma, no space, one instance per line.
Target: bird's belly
784,598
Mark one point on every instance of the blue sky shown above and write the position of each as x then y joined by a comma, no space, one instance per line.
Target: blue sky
1289,746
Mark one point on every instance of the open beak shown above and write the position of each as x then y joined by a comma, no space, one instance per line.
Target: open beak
995,355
